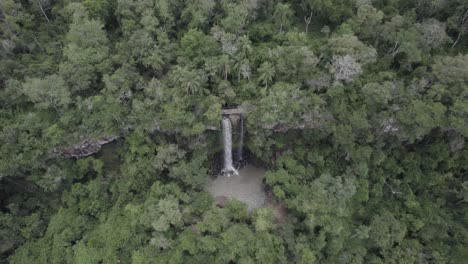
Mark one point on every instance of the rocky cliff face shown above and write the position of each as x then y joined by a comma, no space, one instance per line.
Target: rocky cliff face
88,146
83,149
306,122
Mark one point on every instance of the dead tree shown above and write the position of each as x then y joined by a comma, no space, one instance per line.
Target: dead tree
462,28
307,21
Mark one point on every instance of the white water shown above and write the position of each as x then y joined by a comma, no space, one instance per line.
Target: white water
227,142
241,141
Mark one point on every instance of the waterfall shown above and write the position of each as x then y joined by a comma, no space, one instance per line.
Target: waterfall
227,140
241,140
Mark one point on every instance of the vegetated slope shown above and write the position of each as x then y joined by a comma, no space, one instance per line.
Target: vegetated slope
359,108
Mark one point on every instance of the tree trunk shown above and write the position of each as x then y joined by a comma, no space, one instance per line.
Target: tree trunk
462,24
43,12
456,41
307,21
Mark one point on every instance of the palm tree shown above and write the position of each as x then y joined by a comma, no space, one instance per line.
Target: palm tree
282,15
244,47
193,82
242,65
225,65
243,69
189,80
267,72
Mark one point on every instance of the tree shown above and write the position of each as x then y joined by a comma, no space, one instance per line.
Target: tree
459,22
189,80
450,73
264,220
242,64
266,73
433,33
451,70
420,117
167,212
367,20
294,60
282,16
198,13
235,19
51,91
42,4
386,231
99,9
347,44
86,52
17,27
225,63
345,68
191,173
335,11
307,21
235,244
196,47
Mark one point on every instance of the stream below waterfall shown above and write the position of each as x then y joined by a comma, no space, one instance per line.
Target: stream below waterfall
246,187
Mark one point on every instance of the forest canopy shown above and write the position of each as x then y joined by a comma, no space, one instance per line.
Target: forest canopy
111,110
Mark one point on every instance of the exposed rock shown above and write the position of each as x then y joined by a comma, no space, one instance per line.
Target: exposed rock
234,119
221,201
88,147
233,111
307,122
280,212
83,149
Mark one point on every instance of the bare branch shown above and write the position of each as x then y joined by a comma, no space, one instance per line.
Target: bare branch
391,188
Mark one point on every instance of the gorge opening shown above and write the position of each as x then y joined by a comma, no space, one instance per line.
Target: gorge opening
246,184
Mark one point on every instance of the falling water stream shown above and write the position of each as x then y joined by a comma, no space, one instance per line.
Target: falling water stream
227,142
247,186
241,140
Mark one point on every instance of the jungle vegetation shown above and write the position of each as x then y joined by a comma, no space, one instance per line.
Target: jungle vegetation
358,109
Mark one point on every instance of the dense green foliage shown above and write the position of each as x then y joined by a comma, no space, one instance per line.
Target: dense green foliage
358,107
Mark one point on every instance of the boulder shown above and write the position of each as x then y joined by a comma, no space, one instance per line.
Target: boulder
221,201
